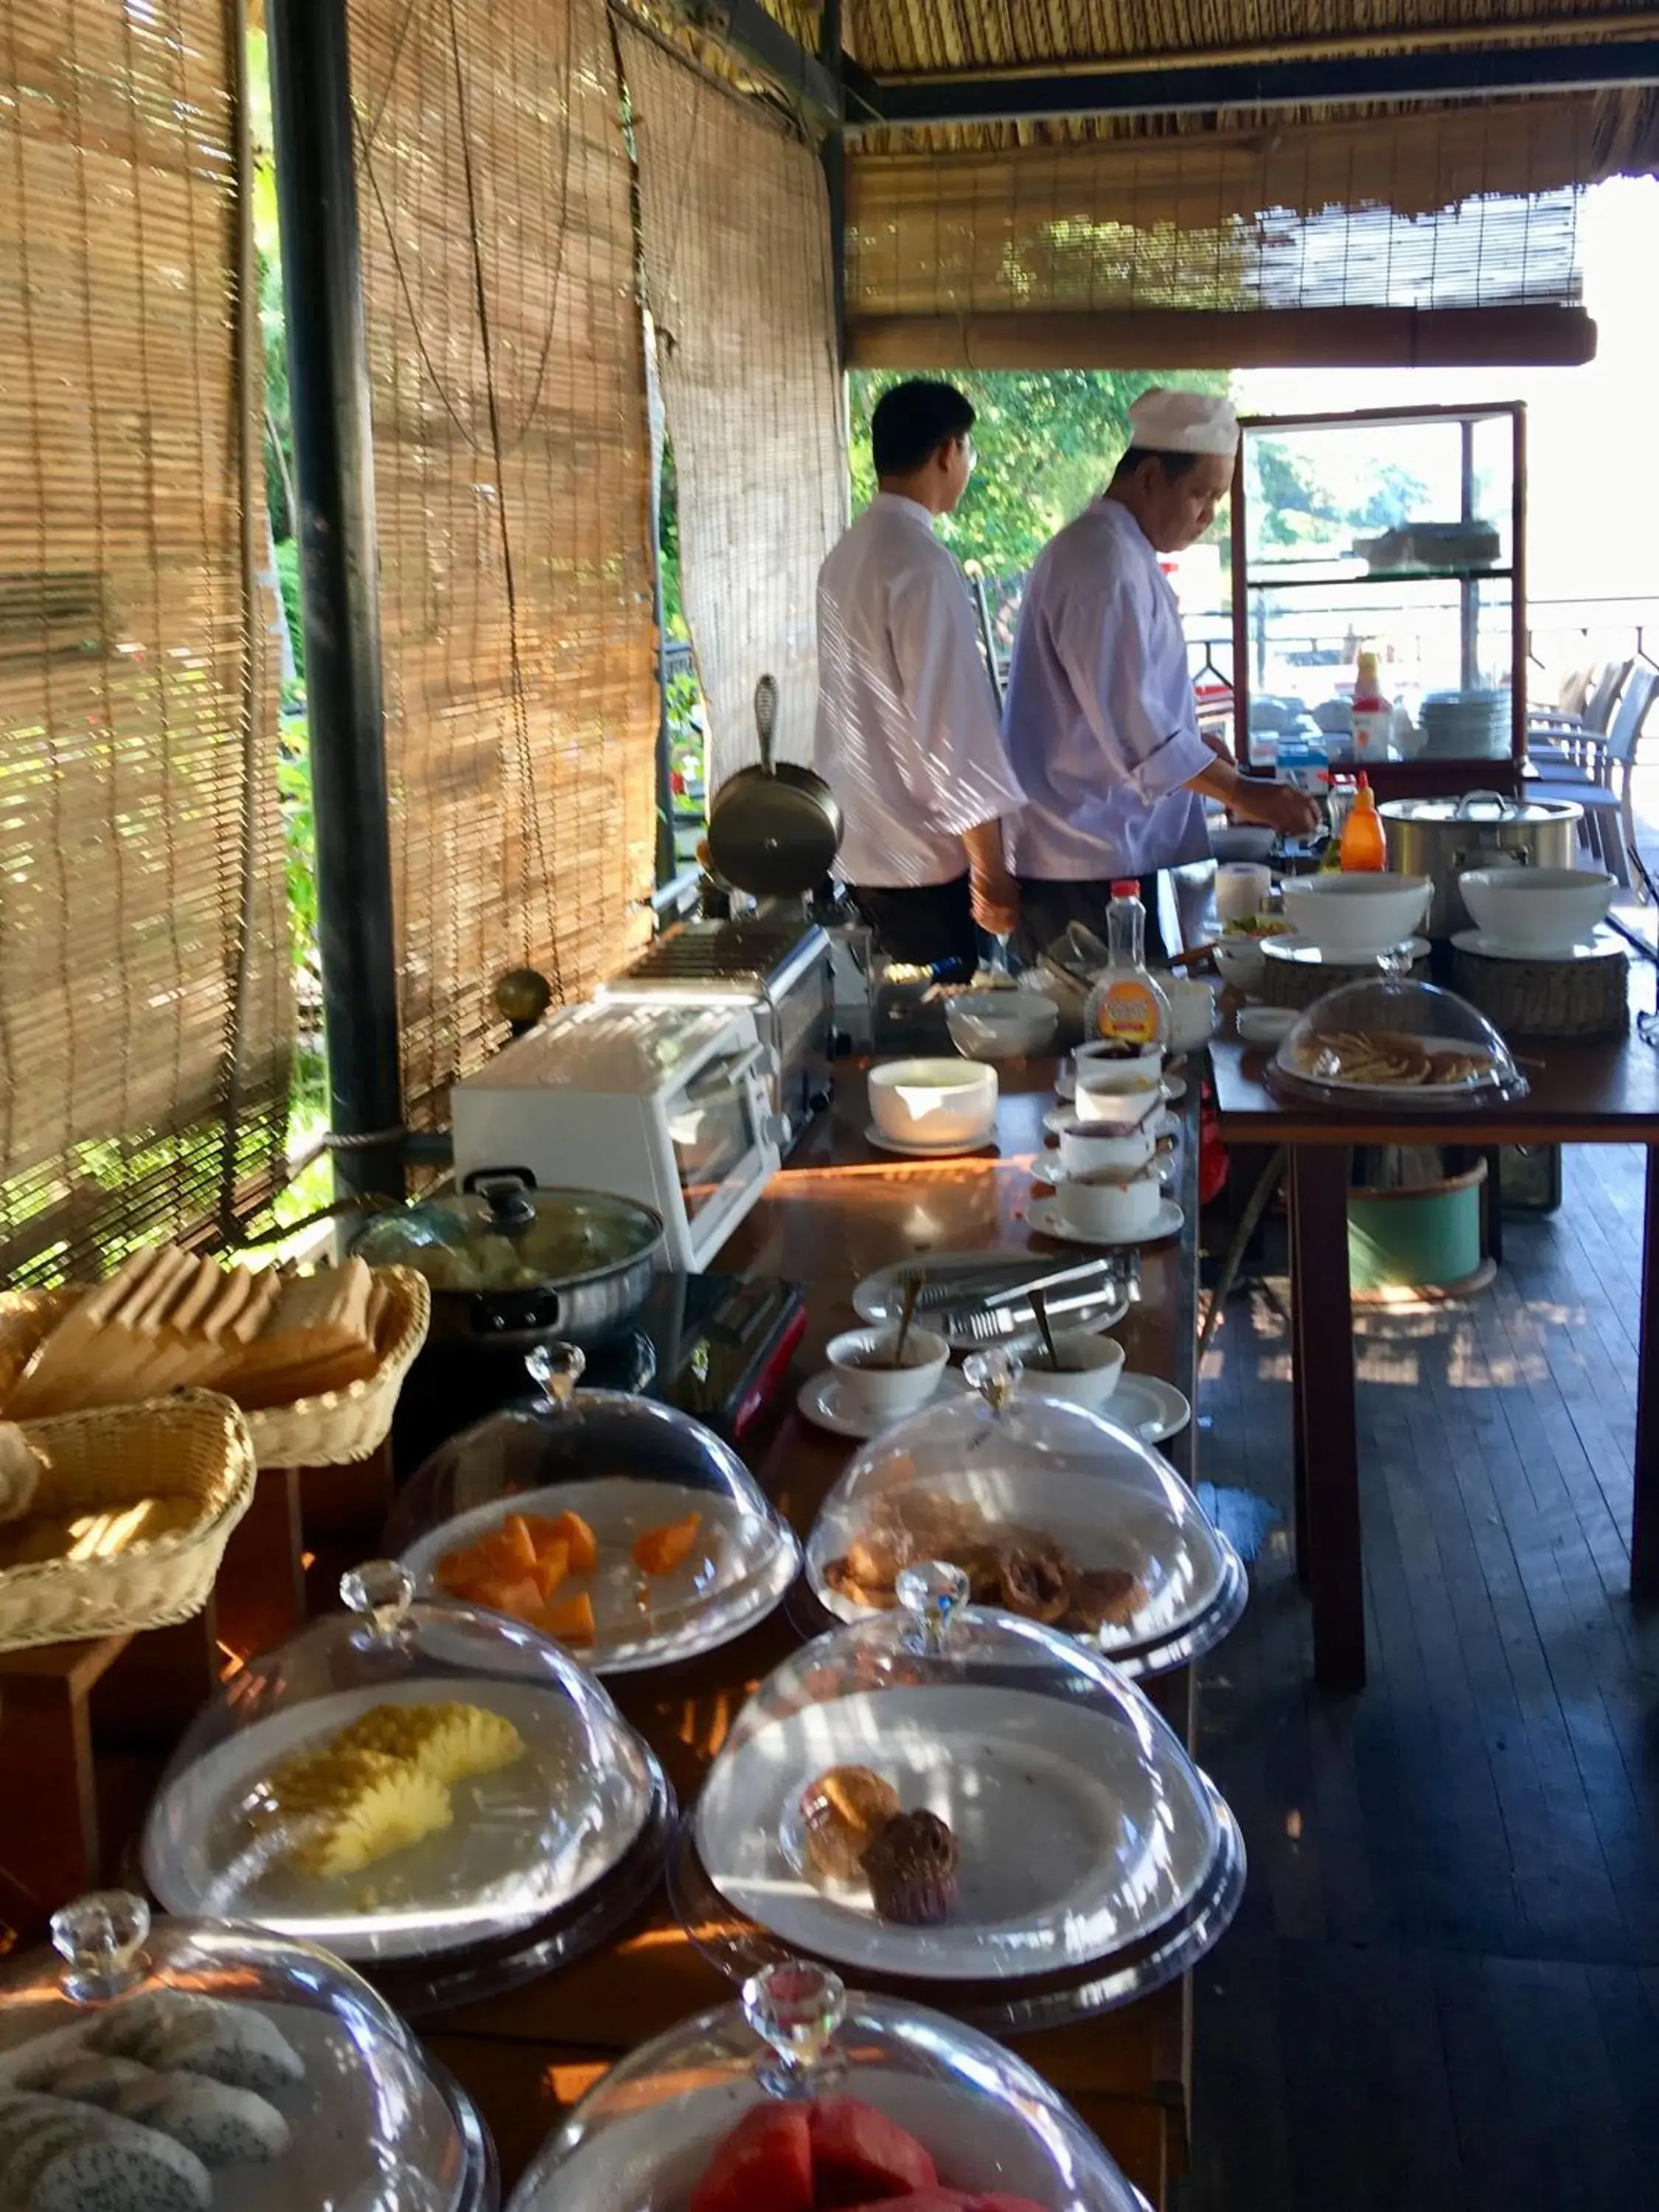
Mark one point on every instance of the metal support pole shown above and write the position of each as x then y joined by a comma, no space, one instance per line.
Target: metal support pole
833,153
1470,589
328,374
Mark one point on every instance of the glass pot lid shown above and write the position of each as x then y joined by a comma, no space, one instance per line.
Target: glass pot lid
946,1796
1051,1512
622,1528
199,2063
421,1786
826,2091
503,1233
1392,1039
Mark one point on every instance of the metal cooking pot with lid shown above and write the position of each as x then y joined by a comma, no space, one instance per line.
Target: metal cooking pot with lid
1441,838
514,1264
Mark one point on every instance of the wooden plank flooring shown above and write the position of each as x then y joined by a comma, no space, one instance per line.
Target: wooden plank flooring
1443,1987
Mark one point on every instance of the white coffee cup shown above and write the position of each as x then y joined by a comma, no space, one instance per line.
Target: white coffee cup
1103,1052
1241,888
1110,1205
1086,1149
882,1393
1099,1080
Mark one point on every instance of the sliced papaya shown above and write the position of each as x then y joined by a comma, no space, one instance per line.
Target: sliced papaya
515,1530
659,1551
552,1565
517,1597
568,1620
572,1529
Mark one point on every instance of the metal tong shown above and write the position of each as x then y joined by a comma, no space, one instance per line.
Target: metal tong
1005,1310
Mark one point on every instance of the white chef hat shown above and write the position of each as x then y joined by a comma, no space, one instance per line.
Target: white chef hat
1164,421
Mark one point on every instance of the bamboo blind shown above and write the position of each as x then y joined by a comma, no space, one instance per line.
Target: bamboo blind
144,1007
735,223
1429,210
512,483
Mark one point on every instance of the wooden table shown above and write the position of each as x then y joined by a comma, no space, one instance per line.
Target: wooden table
837,1212
1606,1094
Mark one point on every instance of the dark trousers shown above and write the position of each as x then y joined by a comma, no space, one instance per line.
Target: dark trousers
924,926
1048,907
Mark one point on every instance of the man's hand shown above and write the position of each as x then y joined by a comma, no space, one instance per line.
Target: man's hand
1275,806
995,902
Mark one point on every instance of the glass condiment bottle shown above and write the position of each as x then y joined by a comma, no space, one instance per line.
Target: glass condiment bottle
1373,715
1364,845
1126,1007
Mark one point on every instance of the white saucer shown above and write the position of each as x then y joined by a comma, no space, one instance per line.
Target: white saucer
1057,1118
954,1150
1044,1216
1598,946
819,1402
1303,951
1147,1406
1175,1089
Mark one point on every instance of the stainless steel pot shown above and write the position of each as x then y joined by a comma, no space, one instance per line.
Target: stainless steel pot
514,1264
1441,838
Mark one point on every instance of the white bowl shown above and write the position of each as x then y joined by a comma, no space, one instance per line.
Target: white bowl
1090,1148
1088,1372
1536,909
1266,1025
883,1393
1359,914
933,1102
1000,1024
1240,961
1191,1012
1109,1204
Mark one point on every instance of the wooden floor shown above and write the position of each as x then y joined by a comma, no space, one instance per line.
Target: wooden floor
1442,1988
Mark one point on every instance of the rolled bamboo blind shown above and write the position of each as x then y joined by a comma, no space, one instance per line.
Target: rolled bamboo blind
144,970
736,233
512,483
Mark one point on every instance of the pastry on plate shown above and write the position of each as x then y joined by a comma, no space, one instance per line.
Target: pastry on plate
911,1867
1034,1579
843,1810
1104,1597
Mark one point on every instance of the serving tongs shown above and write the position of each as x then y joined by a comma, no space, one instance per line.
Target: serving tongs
1004,1311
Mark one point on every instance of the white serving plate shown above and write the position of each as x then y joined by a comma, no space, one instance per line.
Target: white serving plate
1306,954
524,1843
878,1297
690,1612
949,1149
822,1401
1046,1216
1072,1846
1602,944
1101,1523
1435,1094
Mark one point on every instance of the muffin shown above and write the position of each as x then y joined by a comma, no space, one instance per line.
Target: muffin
1034,1580
1104,1597
843,1811
911,1867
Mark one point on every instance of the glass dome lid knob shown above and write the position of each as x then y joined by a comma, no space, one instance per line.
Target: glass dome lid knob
555,1370
995,1375
381,1590
930,1593
101,1939
797,2008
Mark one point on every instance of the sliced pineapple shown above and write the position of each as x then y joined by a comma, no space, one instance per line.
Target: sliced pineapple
448,1741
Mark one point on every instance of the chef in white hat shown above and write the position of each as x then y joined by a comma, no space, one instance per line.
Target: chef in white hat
1100,720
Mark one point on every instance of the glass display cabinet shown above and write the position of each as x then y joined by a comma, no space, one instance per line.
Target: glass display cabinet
1393,538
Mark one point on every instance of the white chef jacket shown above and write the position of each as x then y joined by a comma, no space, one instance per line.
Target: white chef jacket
907,735
1100,720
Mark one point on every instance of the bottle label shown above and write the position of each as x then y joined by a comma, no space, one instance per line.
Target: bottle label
1128,1012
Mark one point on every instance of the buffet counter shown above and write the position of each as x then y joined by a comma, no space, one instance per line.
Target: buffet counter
840,1210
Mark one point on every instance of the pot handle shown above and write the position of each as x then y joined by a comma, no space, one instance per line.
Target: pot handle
1489,856
766,718
1471,799
503,1190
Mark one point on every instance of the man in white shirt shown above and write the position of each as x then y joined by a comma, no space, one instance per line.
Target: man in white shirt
1100,719
907,737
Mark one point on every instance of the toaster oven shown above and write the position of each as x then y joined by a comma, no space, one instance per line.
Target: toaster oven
673,1105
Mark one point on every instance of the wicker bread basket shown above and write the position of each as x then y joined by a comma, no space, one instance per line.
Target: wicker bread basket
322,1432
193,1447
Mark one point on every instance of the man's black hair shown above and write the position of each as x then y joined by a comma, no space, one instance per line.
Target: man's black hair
1174,465
913,421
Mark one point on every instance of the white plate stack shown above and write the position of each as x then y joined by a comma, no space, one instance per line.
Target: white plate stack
1466,725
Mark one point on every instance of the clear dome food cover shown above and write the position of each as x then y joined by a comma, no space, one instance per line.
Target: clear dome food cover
428,1789
806,2094
944,1799
624,1529
1051,1512
177,2065
1393,1039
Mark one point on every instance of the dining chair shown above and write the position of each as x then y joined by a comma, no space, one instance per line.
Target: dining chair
1603,782
1558,740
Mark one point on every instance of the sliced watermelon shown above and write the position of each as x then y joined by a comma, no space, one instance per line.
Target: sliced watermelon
765,2165
861,2157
